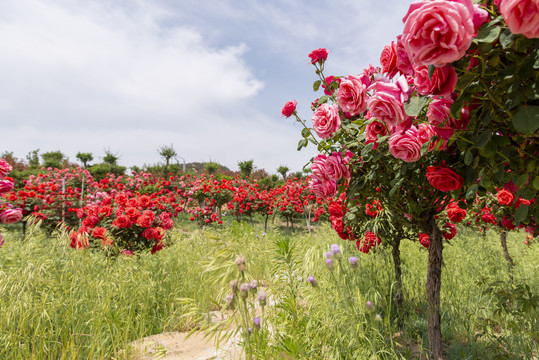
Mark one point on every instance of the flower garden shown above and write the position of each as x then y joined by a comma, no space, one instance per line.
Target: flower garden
415,235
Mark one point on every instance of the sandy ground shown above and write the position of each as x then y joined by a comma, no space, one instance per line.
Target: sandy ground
180,346
175,346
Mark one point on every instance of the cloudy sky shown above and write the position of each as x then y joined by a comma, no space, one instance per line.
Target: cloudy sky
208,77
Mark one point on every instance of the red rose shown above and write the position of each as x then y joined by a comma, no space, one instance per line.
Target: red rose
508,223
90,221
336,210
121,222
455,213
443,178
505,197
149,233
318,55
99,232
157,247
424,240
121,199
144,221
289,108
450,231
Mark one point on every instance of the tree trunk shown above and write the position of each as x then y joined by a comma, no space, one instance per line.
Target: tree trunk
434,282
508,258
266,223
398,297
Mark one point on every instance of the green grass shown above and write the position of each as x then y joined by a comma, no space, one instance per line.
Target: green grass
60,303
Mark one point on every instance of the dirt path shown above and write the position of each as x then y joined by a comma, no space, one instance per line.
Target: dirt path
175,346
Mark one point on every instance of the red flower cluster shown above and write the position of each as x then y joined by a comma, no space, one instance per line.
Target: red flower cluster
371,240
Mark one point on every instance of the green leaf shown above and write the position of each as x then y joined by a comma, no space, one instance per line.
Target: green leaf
367,148
431,71
414,105
468,158
302,143
472,190
456,107
305,132
522,180
536,183
470,175
482,139
506,38
526,119
488,33
521,213
316,85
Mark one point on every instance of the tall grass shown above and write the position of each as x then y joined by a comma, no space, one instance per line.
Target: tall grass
60,303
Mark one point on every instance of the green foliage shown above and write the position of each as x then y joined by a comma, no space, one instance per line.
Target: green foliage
283,170
110,158
167,153
33,158
53,159
84,158
212,167
246,168
100,171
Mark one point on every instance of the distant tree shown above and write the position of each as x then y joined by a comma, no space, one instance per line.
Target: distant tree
246,168
84,158
212,167
33,158
283,170
110,158
53,159
167,153
136,169
298,175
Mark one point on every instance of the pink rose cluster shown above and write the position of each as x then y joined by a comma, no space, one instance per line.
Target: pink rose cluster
8,214
327,170
522,16
439,32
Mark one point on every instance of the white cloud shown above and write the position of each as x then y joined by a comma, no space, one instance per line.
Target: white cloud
209,77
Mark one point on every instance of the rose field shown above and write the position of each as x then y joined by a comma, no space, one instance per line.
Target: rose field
410,234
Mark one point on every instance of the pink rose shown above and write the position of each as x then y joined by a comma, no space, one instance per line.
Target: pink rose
323,189
406,146
5,168
326,120
442,83
388,60
10,216
5,186
373,130
522,16
318,55
438,32
318,167
387,103
336,168
425,133
289,108
403,61
352,95
480,16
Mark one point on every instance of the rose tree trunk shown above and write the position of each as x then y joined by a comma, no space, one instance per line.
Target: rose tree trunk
434,282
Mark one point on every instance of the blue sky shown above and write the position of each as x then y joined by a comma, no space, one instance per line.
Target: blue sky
208,77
